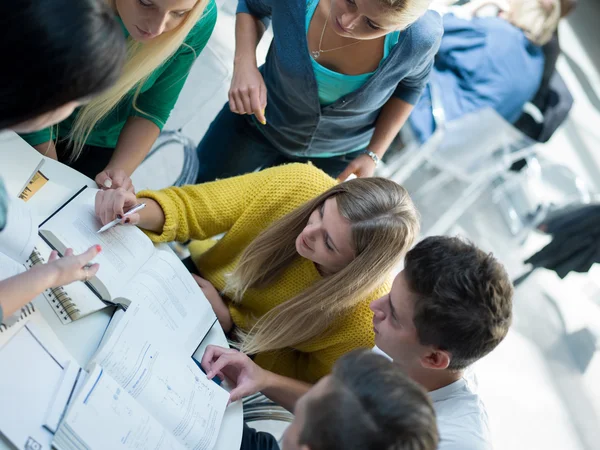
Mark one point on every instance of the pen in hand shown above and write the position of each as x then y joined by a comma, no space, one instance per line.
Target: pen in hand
118,220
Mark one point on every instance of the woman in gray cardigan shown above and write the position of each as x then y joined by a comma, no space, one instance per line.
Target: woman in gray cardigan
340,79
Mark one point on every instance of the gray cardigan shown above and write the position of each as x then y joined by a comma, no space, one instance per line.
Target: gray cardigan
297,123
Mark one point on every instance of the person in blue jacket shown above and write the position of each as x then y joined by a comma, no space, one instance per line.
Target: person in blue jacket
339,81
488,60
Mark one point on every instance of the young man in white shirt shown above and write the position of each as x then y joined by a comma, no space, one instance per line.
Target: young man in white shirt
449,307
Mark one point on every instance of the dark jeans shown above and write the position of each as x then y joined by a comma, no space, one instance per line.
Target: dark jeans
233,145
91,161
257,440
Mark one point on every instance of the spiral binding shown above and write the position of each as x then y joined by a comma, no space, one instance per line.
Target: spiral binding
62,304
26,311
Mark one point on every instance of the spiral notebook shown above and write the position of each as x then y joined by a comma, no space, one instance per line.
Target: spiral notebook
71,302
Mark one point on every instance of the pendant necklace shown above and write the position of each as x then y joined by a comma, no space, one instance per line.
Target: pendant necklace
316,53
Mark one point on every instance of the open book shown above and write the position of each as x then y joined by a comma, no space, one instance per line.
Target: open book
143,391
131,269
38,375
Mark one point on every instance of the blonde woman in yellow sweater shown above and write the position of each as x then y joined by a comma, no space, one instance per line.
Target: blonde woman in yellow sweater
301,258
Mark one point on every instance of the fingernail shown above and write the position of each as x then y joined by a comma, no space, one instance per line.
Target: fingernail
119,216
264,122
108,183
128,220
98,248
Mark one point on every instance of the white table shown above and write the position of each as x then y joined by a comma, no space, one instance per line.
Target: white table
81,338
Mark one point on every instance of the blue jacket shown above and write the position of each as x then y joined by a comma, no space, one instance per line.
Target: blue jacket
297,124
483,62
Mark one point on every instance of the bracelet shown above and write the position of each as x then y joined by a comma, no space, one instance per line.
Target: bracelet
373,156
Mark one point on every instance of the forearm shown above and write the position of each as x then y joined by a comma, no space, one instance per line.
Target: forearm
284,391
222,312
19,290
152,217
392,118
135,141
248,32
47,149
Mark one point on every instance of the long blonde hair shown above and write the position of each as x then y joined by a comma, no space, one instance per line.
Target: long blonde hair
406,11
384,224
142,60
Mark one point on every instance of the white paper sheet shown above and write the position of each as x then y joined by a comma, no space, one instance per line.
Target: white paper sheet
105,416
124,248
29,379
140,358
174,298
19,162
18,237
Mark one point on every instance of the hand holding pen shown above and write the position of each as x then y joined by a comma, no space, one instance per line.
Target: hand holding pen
125,218
117,206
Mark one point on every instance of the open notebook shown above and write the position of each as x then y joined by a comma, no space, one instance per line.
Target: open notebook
144,390
131,268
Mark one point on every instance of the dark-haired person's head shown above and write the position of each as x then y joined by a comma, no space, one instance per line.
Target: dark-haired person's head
449,307
367,403
57,54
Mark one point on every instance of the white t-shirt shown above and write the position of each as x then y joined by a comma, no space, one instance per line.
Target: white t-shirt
461,417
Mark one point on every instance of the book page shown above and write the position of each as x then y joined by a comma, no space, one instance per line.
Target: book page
166,383
9,267
124,423
52,193
19,162
18,237
170,292
31,373
125,249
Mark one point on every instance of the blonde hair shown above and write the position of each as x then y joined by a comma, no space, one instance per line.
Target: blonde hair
406,12
384,224
537,18
142,60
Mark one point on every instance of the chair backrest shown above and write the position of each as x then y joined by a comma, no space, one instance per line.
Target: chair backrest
474,142
553,99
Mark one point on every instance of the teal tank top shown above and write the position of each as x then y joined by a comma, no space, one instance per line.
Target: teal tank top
333,85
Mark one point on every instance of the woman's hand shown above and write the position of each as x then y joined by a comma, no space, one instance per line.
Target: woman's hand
216,301
248,92
69,268
362,166
114,203
114,179
248,378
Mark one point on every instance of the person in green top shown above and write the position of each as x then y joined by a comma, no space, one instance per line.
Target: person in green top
109,137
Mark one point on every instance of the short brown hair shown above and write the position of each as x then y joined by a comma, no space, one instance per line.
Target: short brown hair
463,298
370,405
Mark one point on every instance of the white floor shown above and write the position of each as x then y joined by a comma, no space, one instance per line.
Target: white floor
537,392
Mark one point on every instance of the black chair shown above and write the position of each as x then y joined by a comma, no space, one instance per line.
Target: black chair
552,102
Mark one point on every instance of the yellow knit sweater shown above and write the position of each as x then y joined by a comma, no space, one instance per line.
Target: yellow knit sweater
242,207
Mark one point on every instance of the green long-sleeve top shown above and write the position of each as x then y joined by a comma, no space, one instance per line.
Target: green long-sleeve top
157,96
